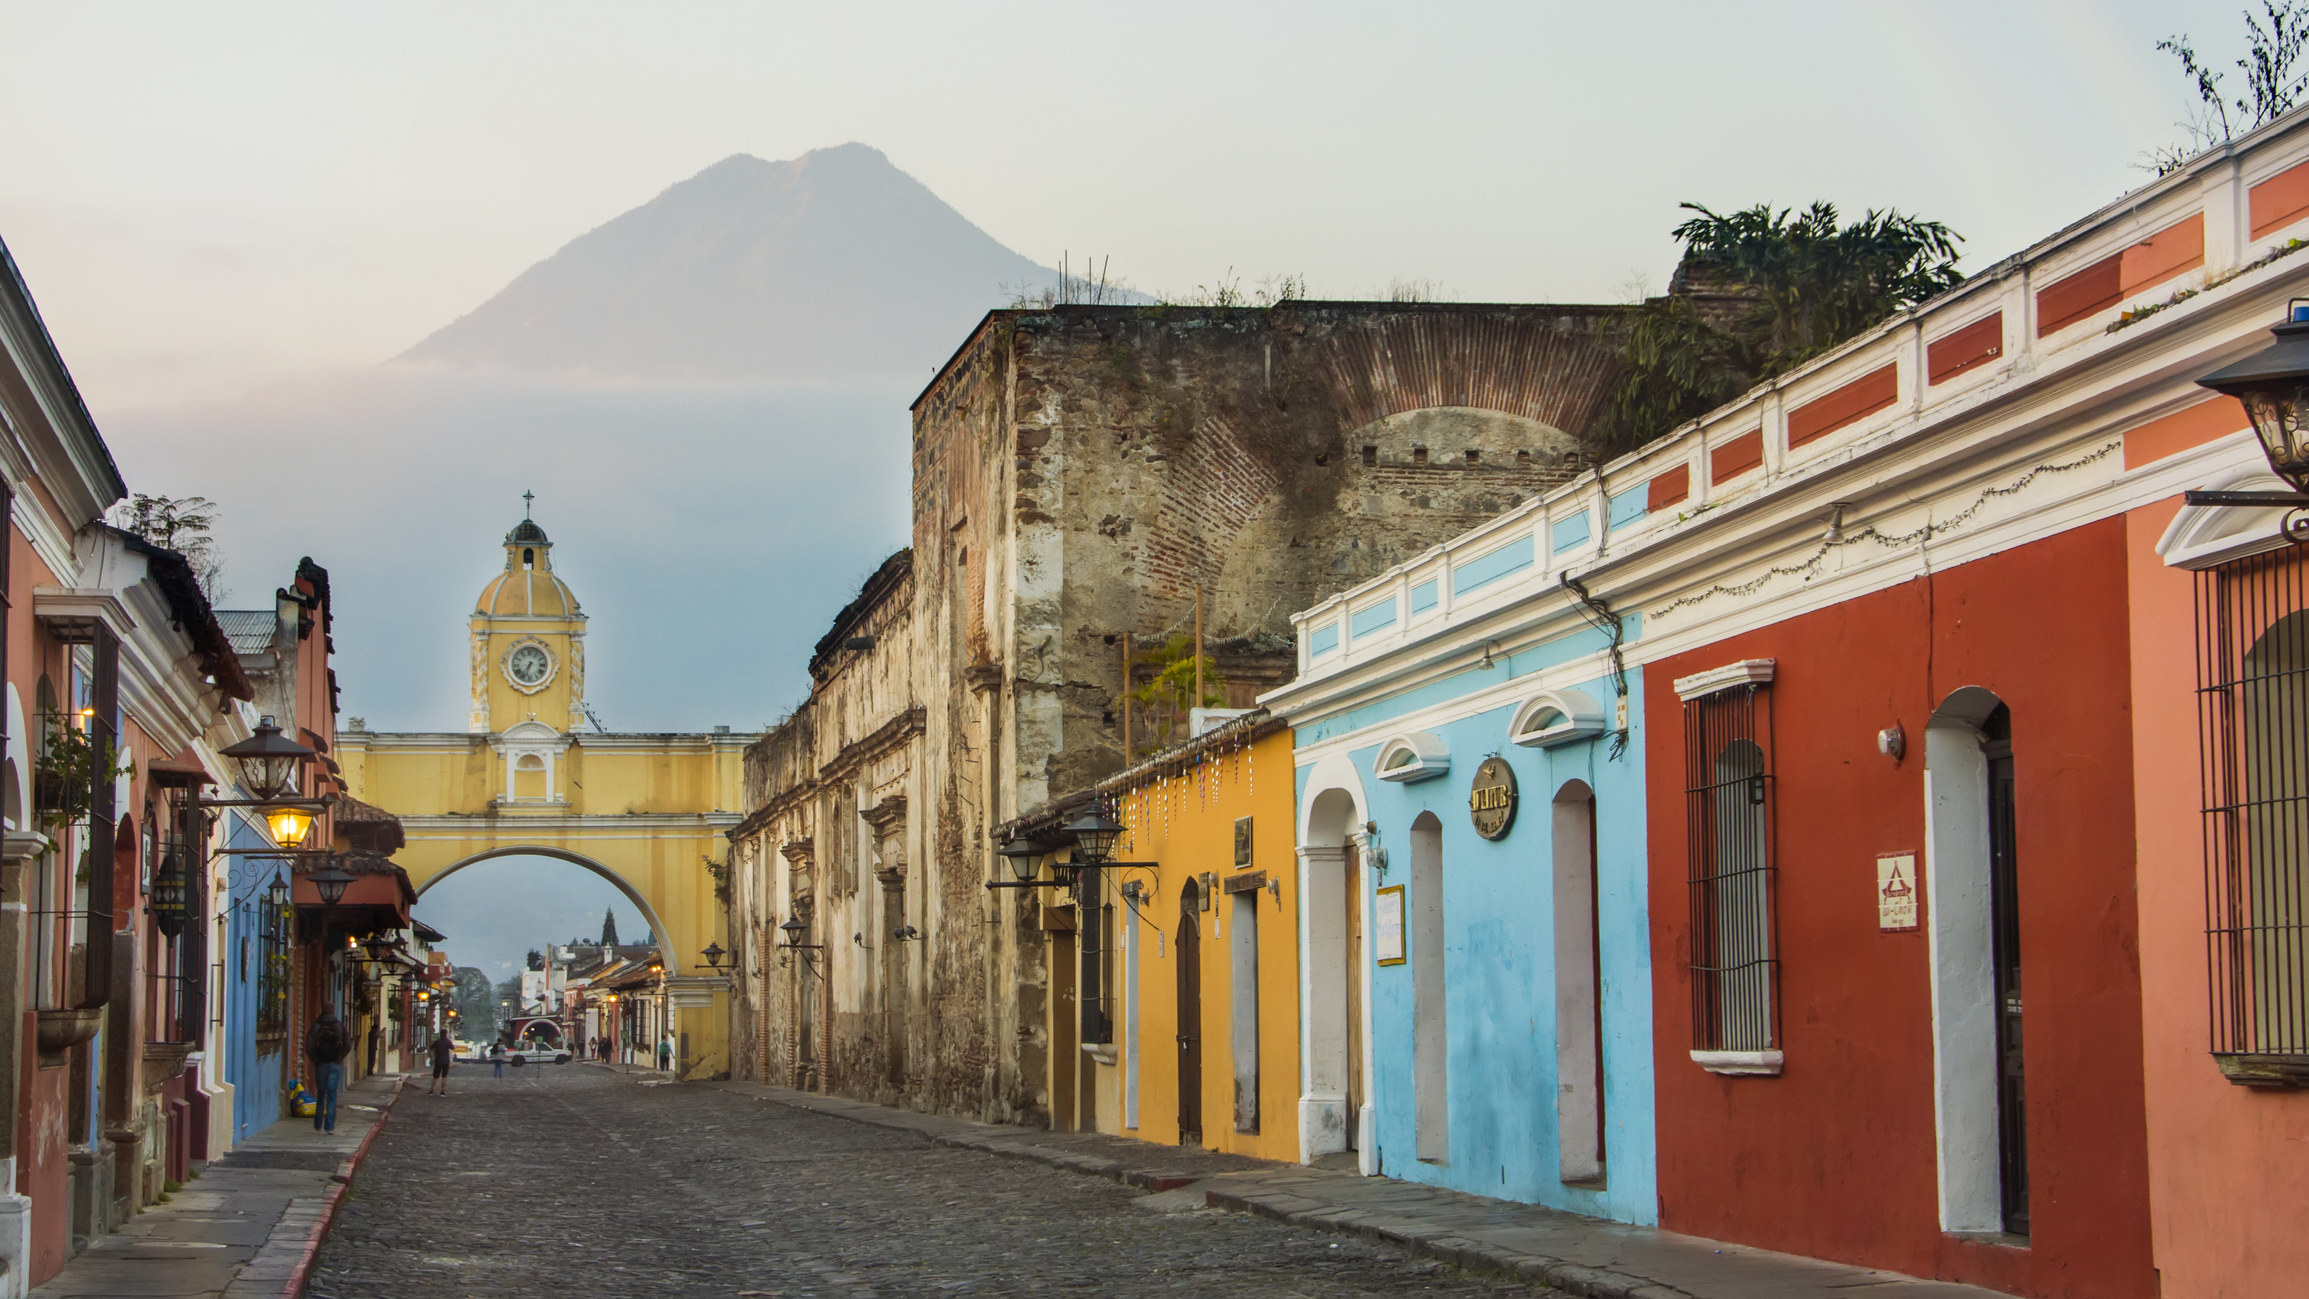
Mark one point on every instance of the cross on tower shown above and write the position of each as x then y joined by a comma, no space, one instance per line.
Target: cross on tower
526,498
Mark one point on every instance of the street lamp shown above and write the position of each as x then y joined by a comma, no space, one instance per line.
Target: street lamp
289,825
270,762
1095,835
168,895
2273,386
713,954
331,884
1024,855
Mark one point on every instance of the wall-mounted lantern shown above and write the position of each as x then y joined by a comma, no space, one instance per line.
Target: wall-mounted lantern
2273,386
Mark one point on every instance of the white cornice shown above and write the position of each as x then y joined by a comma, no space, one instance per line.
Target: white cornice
1746,672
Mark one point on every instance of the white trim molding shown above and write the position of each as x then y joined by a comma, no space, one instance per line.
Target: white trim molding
2205,536
1554,717
1740,1064
1746,672
1412,756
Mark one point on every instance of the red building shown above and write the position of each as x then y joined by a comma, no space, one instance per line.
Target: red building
1921,653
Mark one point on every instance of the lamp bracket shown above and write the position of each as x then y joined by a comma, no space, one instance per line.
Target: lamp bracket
2293,500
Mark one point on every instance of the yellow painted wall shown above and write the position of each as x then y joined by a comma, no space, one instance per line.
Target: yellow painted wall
650,813
1186,824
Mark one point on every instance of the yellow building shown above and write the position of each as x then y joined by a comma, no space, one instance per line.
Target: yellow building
1194,979
647,812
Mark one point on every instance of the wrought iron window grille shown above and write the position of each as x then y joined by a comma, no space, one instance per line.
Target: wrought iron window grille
2252,625
1733,953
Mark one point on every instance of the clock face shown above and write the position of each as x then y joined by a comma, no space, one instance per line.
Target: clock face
528,665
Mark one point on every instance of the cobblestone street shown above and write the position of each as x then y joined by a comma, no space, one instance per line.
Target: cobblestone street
573,1180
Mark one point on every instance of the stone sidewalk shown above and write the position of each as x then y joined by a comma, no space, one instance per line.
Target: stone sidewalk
248,1225
1583,1256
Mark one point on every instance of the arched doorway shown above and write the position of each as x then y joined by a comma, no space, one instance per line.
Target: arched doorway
1579,1115
1972,888
1190,1015
554,952
1430,1036
1334,1110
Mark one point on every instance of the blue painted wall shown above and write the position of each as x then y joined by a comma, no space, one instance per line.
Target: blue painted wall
255,1078
1499,962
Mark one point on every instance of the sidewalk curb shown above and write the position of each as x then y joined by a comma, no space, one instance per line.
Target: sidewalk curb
1437,1243
317,1229
1410,1237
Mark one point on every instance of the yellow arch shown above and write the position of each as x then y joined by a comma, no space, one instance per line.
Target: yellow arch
657,930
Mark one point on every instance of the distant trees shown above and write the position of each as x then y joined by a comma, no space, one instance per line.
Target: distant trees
1761,291
476,1004
609,927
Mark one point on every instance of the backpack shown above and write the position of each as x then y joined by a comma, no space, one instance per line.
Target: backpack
328,1042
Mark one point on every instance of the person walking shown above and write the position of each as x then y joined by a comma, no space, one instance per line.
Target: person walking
665,1052
497,1058
444,1050
326,1046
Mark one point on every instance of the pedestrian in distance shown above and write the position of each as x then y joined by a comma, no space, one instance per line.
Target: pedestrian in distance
326,1046
497,1058
443,1051
665,1052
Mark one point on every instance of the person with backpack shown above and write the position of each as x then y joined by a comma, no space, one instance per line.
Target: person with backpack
497,1057
326,1046
444,1050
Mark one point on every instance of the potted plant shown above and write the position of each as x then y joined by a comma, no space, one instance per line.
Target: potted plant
71,765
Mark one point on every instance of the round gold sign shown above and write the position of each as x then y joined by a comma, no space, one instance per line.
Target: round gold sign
1491,804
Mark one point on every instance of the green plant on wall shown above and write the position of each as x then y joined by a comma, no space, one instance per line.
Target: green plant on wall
1788,286
72,764
1170,696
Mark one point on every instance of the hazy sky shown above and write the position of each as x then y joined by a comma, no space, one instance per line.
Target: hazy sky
209,196
230,213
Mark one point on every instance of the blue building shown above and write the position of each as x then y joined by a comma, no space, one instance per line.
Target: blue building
256,977
1476,994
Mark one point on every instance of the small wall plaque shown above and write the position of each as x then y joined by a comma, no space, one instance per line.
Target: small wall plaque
1897,889
1491,803
1242,842
1387,938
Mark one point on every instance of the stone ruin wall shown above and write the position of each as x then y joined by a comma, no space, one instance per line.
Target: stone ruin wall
1077,474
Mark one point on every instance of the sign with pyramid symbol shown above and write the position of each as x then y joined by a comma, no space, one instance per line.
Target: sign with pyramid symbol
1896,891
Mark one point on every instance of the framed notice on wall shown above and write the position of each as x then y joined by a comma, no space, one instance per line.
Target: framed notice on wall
1388,938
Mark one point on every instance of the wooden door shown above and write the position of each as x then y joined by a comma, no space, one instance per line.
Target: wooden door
1190,1034
2004,902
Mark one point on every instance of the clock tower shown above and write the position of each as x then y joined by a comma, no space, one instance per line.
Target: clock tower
528,643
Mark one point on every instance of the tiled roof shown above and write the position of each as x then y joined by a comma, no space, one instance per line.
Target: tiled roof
249,630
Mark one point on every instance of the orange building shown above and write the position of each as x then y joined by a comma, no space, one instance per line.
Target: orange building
1181,1025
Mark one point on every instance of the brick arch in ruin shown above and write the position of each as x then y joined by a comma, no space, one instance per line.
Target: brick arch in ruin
1557,376
1413,396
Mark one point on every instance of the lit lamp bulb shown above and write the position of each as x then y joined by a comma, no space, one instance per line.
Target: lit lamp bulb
289,825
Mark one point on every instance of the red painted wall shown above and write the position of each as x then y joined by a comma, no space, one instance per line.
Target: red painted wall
1836,1157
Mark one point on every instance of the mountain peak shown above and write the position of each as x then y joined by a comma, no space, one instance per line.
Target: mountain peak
833,263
